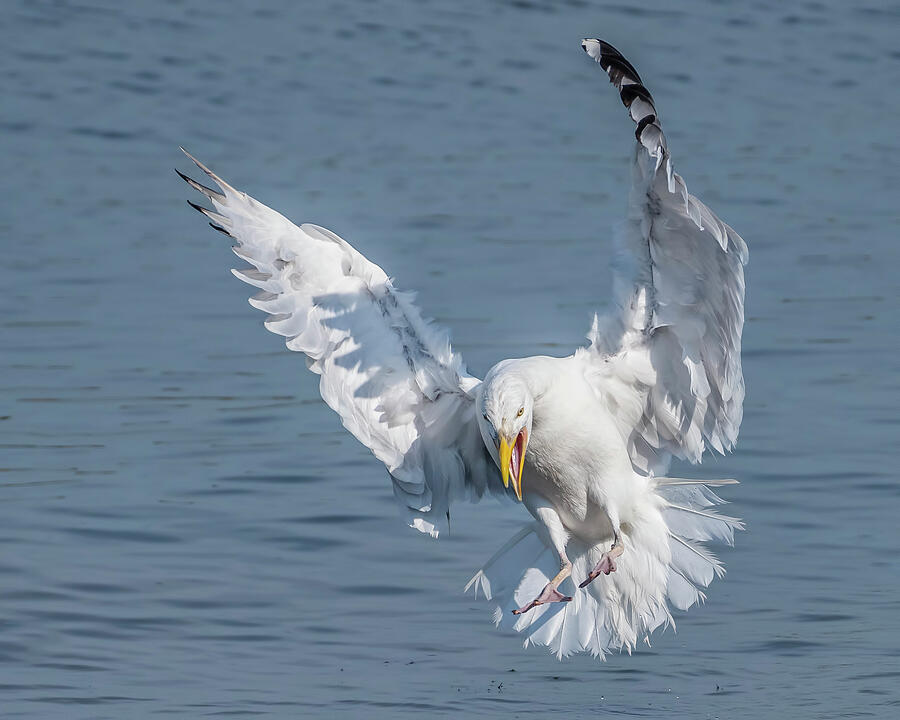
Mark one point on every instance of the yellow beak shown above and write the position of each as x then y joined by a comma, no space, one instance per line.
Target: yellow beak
506,456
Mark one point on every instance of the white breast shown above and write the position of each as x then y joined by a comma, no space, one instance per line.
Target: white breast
576,457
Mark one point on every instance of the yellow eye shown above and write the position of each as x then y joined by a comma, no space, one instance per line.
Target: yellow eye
521,412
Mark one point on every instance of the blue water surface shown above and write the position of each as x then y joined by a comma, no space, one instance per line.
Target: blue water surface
188,531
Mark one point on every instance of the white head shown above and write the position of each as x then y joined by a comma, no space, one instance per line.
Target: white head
504,417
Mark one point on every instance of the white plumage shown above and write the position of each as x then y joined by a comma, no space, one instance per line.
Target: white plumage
585,440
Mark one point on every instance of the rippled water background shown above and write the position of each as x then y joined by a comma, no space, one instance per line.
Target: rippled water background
187,530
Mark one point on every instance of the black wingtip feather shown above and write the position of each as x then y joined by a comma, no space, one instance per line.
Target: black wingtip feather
200,187
221,230
612,57
184,177
642,124
628,82
629,92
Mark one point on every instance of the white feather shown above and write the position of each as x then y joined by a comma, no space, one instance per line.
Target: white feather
670,360
660,378
392,377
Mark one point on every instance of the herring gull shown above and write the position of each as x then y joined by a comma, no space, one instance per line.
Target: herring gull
583,442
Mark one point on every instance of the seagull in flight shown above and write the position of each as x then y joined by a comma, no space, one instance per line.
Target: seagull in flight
584,442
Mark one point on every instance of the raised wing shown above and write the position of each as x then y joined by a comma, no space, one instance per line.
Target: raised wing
389,374
668,361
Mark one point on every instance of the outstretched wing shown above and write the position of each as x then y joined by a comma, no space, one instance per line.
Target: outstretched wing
389,374
668,360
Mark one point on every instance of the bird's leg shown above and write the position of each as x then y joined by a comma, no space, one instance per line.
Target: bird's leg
550,594
607,562
546,514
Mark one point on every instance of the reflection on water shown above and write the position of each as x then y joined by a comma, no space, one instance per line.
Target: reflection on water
188,530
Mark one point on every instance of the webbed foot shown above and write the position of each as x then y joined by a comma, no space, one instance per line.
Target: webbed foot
548,595
607,562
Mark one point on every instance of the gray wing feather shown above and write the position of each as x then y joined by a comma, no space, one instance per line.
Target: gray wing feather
390,374
668,360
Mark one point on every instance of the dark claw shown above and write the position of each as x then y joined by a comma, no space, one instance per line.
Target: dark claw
548,595
606,566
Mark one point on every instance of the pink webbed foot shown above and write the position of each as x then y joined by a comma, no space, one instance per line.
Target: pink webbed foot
606,566
548,595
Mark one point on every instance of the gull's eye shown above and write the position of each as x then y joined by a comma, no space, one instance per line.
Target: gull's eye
484,415
521,412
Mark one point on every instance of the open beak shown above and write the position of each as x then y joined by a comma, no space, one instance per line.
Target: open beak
512,460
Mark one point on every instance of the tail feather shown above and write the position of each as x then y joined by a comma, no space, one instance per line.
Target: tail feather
497,578
701,525
520,570
688,512
694,561
682,592
664,564
670,481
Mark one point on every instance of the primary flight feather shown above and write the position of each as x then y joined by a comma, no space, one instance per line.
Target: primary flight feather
583,441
